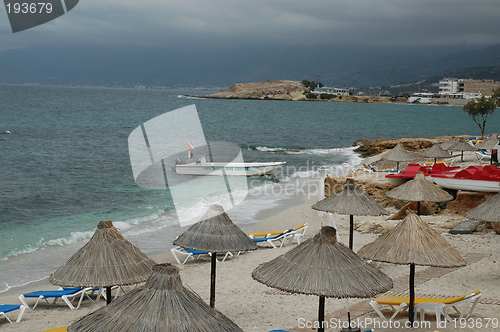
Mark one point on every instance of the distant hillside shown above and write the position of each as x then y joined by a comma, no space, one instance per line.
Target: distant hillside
431,84
477,73
335,65
478,64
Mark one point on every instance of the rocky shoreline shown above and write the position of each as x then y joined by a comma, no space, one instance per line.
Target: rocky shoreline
296,91
368,148
450,213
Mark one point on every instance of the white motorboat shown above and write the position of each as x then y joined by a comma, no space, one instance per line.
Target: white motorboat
473,178
204,167
420,98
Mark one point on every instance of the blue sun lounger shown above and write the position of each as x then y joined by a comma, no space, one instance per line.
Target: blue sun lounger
282,238
193,254
5,308
66,294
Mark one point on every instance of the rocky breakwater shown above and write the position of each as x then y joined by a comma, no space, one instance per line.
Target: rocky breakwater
271,90
368,148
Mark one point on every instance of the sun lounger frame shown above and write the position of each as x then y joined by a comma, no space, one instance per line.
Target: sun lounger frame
440,306
5,308
63,294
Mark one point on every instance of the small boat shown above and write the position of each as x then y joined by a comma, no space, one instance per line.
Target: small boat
473,178
420,98
409,173
204,167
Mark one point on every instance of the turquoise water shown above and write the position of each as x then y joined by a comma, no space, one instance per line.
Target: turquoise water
65,162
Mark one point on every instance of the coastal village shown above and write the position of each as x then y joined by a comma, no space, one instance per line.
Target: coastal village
451,92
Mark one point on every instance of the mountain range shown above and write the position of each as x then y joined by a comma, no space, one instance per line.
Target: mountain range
339,65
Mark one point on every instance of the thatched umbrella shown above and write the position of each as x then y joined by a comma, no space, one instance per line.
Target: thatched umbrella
446,145
487,211
161,305
398,153
462,145
106,260
412,242
324,267
488,144
435,152
419,190
351,200
215,233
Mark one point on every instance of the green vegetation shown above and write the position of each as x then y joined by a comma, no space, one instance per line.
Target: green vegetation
311,84
327,96
495,95
480,109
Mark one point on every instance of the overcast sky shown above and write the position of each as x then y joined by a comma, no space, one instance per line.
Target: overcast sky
225,23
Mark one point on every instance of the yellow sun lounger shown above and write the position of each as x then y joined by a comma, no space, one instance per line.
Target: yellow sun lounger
447,162
370,168
439,305
296,233
269,234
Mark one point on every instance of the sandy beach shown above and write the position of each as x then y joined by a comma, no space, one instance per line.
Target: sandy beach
256,307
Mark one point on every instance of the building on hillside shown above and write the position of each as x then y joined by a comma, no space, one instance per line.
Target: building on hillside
466,88
331,90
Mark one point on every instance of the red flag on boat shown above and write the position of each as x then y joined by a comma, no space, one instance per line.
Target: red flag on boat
190,150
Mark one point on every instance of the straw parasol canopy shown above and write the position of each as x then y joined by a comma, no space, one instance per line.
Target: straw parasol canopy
412,242
435,152
214,233
161,305
351,200
419,190
324,267
398,153
488,144
462,145
107,259
446,145
487,211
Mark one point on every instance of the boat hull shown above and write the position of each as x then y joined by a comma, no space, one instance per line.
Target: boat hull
232,169
468,185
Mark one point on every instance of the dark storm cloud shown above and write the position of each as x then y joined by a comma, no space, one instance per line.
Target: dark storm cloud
222,23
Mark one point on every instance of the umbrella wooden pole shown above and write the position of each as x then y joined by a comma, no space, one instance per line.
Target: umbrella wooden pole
348,313
411,308
321,314
108,294
351,230
418,208
349,328
212,279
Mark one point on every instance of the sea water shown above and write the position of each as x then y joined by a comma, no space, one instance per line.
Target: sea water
65,164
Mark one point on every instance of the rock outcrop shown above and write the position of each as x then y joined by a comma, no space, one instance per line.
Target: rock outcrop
279,90
368,148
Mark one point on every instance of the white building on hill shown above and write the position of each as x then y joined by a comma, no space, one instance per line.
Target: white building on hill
466,88
331,90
